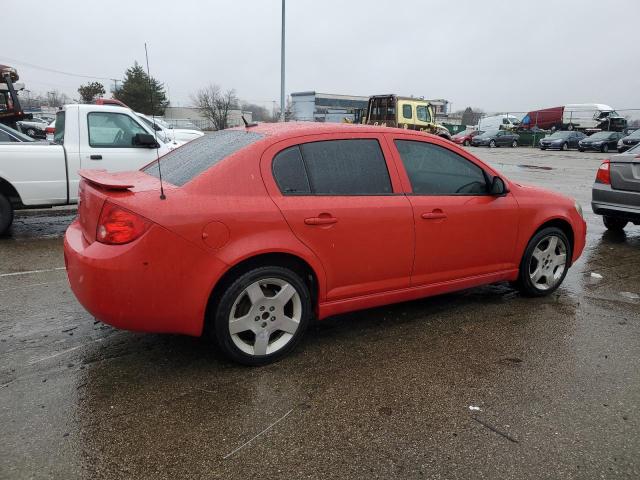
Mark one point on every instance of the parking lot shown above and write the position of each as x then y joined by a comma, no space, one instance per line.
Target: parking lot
479,384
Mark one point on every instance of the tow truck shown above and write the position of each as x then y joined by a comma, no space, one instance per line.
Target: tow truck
10,110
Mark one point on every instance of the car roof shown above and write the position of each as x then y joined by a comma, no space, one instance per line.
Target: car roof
285,130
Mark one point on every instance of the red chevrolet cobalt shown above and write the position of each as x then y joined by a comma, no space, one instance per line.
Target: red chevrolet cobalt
263,228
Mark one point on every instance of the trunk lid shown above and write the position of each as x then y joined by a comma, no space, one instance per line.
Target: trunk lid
625,173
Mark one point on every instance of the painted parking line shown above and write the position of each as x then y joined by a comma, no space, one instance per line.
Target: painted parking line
31,272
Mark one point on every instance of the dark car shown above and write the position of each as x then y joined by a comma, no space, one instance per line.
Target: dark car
8,134
496,138
632,139
465,137
616,191
600,141
563,140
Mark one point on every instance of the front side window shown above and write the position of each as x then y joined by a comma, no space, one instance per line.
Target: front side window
435,170
423,113
4,137
333,167
112,130
407,112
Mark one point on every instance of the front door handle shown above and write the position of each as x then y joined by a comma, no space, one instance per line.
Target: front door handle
320,220
96,157
435,215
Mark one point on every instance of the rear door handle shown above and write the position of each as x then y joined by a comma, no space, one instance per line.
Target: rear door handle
96,157
435,215
320,220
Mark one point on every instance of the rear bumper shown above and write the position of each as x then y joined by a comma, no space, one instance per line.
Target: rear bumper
615,203
158,283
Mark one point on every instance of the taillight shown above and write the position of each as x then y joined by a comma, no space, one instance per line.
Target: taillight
604,173
50,130
118,225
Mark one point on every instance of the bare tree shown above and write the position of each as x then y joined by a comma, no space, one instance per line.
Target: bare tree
215,104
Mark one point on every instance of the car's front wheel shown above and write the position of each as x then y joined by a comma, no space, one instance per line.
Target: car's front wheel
614,223
565,146
262,315
514,144
492,144
545,262
605,148
466,143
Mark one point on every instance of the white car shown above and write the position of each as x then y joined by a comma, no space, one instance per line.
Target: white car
176,136
34,127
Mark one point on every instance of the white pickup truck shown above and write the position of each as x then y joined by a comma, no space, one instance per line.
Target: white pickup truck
45,174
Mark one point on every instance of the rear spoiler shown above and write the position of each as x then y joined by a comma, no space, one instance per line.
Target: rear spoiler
104,179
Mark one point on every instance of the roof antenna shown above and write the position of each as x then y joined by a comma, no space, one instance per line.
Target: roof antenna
155,127
247,124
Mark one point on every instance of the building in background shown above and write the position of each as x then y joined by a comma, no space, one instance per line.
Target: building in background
182,116
325,107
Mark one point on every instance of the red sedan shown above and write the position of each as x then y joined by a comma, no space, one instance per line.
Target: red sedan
464,137
263,228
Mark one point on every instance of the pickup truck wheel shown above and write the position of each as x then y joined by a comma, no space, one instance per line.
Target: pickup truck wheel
614,224
6,214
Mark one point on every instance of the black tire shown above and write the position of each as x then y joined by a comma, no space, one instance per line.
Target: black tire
31,132
570,127
565,146
466,143
524,283
6,214
218,322
614,224
581,149
514,144
492,144
543,148
605,148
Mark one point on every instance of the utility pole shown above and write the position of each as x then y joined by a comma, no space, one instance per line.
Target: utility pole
282,114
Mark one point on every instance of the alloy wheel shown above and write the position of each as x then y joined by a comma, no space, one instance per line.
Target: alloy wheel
265,316
548,262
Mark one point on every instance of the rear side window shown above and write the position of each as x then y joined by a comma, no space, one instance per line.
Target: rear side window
58,135
346,167
434,170
190,160
406,112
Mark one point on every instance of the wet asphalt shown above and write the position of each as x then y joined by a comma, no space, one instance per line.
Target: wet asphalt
478,384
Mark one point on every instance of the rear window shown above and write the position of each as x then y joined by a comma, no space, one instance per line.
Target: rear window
190,160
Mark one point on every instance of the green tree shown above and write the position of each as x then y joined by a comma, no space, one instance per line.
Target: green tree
91,91
135,92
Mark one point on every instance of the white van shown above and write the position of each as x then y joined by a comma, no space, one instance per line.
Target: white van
497,122
587,115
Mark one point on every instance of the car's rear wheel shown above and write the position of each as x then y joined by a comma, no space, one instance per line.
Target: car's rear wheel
514,144
492,144
614,223
466,143
545,262
31,132
543,148
605,148
262,315
581,149
565,146
6,214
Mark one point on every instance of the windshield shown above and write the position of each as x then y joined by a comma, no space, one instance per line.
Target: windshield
464,133
634,135
600,136
635,149
147,121
559,135
19,135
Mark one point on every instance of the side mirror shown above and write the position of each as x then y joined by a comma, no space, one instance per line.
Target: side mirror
498,187
144,140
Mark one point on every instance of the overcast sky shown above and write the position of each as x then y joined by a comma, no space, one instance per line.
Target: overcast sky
499,55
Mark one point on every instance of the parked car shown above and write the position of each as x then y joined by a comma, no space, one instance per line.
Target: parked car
177,136
496,138
616,192
495,122
600,141
8,135
625,143
545,119
562,140
87,136
34,127
465,137
265,227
